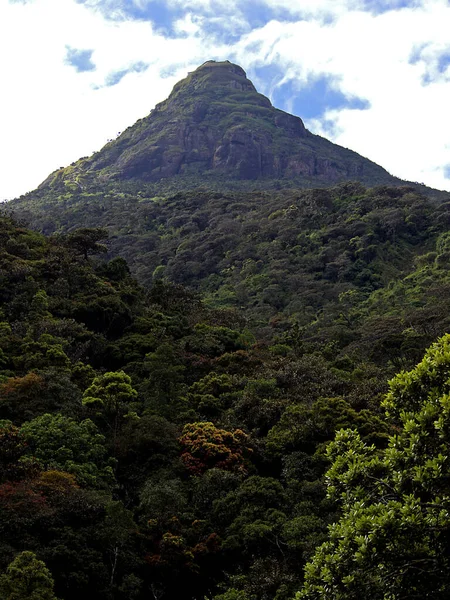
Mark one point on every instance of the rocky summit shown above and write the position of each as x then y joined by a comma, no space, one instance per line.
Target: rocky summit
216,125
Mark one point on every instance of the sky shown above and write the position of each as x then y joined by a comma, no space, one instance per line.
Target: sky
370,75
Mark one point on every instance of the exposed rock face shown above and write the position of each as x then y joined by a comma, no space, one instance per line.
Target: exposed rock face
216,123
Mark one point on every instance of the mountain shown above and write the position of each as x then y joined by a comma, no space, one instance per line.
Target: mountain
282,255
288,254
172,442
215,124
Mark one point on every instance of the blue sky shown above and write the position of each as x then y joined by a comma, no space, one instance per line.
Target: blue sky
372,75
79,59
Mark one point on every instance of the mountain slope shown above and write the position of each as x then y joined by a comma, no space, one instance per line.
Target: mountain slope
282,256
216,124
325,260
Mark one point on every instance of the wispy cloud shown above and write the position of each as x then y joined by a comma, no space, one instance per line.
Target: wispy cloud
434,60
116,77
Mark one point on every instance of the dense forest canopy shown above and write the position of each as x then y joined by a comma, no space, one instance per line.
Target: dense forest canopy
345,265
155,442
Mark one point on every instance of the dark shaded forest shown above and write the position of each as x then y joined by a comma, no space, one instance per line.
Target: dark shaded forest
361,269
176,439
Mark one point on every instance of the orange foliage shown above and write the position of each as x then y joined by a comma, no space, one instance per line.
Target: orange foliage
22,499
209,546
206,447
28,386
56,482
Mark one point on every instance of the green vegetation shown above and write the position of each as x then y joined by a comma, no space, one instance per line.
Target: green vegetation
194,397
391,540
27,579
154,443
133,442
361,269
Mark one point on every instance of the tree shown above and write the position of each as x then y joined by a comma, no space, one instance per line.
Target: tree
22,397
27,578
206,447
117,532
85,240
12,447
165,380
110,398
59,442
305,428
392,541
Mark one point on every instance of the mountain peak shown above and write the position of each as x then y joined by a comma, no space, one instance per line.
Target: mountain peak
225,66
216,125
224,73
215,80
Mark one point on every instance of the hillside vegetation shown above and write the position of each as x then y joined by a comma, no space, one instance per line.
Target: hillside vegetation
362,269
150,444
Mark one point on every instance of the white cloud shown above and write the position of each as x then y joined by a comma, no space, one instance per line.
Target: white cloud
51,115
368,56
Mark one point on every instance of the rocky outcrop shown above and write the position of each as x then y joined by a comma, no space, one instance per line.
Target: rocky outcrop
215,122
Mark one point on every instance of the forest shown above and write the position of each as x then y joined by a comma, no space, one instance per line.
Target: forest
232,396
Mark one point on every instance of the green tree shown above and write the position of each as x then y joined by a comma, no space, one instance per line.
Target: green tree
392,541
27,578
117,532
165,380
110,397
305,428
59,442
254,513
39,306
86,240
